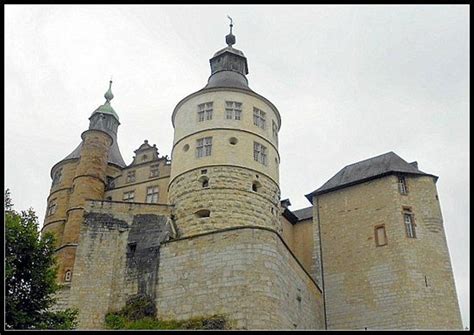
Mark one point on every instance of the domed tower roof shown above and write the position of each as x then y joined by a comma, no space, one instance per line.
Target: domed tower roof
106,119
228,66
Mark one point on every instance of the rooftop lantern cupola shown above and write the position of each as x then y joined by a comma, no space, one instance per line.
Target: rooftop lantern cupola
228,66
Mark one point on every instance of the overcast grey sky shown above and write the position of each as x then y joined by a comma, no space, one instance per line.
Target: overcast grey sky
351,82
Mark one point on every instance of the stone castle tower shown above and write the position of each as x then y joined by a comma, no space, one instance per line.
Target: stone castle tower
82,175
225,156
207,233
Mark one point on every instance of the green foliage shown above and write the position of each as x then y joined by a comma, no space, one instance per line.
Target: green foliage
30,274
139,312
139,306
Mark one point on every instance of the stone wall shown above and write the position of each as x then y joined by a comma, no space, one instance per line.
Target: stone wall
229,198
405,284
246,273
118,256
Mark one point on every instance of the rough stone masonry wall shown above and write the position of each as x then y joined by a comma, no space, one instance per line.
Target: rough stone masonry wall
229,198
107,270
247,273
406,284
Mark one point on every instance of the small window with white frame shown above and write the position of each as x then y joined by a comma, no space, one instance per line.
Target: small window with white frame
233,110
409,221
402,185
152,194
259,153
203,147
259,118
129,196
205,111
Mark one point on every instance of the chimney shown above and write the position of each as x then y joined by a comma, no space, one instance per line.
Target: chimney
414,164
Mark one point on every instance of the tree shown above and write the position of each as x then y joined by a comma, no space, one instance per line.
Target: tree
30,274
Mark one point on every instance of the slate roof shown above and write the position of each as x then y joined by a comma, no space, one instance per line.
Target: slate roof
304,213
372,168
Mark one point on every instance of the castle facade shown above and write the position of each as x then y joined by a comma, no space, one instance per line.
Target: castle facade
206,231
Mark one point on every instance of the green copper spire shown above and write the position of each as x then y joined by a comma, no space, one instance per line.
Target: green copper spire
106,108
109,95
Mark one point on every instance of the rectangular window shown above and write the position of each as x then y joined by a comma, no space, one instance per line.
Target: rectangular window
57,176
259,118
259,153
275,130
233,110
380,236
129,196
409,224
152,195
203,147
51,207
402,185
154,171
130,176
205,111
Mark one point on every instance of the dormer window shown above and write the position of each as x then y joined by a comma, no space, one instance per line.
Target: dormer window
205,111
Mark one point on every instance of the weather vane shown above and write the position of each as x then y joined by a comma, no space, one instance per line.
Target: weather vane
231,24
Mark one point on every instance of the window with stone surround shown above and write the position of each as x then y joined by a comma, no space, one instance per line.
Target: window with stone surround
57,176
51,207
203,147
259,118
154,170
402,185
380,236
152,194
259,153
129,196
409,221
130,176
233,110
205,111
275,130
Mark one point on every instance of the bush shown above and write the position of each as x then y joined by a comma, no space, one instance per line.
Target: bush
139,313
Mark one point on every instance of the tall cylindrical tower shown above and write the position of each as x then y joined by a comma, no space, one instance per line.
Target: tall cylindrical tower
80,176
225,152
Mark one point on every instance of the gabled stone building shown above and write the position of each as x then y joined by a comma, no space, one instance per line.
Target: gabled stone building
207,233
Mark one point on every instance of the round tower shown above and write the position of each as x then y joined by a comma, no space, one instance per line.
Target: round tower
80,176
225,170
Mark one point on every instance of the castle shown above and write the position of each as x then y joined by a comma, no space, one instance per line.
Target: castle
207,233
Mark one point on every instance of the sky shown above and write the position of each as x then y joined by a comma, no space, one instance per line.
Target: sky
350,82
